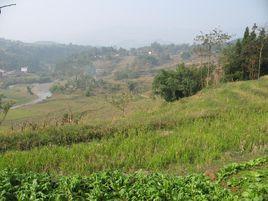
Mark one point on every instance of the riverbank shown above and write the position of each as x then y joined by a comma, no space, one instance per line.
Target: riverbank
41,91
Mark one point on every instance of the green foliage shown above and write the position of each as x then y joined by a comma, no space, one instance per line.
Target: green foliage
234,168
88,92
215,126
233,62
133,87
38,56
120,101
173,85
249,179
29,90
115,185
4,108
109,186
57,88
247,58
251,185
82,83
64,135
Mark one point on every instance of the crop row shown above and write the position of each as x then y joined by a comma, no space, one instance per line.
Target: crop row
115,185
109,186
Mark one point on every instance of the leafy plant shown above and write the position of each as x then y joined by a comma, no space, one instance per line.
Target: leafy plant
173,85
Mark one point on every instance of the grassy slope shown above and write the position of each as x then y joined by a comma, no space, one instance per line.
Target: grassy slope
216,126
18,93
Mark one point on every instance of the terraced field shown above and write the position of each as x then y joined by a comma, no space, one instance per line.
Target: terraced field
199,134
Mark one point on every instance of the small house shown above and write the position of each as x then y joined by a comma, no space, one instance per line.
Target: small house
24,69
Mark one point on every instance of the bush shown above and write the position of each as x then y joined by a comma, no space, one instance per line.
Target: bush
88,92
57,88
173,85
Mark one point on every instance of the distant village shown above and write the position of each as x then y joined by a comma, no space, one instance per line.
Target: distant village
22,71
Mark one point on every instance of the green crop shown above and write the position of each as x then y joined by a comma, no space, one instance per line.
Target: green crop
109,186
115,185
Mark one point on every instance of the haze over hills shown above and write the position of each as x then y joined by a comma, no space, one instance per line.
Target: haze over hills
108,23
97,104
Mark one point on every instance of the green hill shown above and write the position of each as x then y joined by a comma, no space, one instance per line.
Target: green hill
218,125
198,134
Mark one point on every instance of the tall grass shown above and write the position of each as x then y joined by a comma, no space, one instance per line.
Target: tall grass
218,125
193,144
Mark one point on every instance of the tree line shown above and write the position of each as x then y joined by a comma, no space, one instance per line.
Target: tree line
247,59
219,61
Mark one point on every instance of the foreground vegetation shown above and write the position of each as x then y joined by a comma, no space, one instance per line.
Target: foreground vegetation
139,186
216,126
115,135
118,160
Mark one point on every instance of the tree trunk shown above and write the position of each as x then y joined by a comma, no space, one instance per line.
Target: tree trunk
201,66
260,57
3,119
209,64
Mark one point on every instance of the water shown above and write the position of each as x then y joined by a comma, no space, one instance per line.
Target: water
41,91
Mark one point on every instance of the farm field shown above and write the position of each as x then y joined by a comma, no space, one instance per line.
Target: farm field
193,136
245,181
18,93
133,100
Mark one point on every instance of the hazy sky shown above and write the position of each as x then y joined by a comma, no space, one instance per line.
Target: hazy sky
126,22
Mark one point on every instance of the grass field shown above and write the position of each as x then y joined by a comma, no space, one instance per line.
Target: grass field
18,93
202,133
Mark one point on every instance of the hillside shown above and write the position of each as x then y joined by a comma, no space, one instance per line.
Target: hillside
62,59
38,56
198,134
218,125
133,101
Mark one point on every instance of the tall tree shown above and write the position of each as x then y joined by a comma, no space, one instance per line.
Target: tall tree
247,59
261,41
211,41
245,52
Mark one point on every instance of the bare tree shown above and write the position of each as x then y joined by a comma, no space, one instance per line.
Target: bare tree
261,41
200,52
214,39
120,101
5,6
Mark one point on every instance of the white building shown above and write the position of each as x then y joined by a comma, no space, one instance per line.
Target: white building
24,69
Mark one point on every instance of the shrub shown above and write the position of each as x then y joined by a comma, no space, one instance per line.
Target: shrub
57,88
173,85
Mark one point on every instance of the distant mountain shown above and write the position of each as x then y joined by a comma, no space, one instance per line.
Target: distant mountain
37,56
46,43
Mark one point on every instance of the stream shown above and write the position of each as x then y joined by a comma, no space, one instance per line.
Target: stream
41,91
